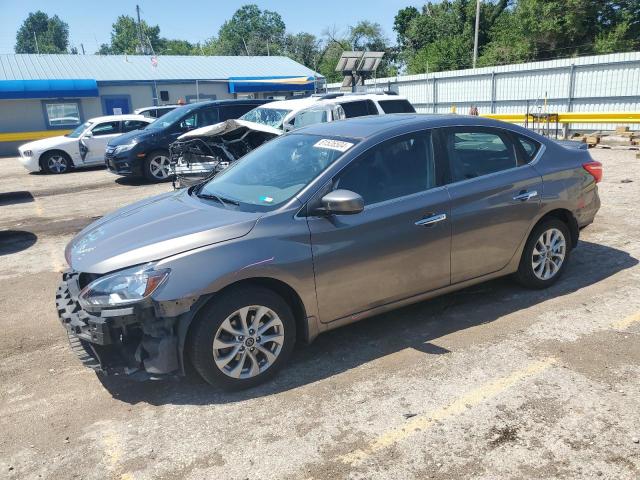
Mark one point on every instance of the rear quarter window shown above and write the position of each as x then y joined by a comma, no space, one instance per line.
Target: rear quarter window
396,106
359,108
529,146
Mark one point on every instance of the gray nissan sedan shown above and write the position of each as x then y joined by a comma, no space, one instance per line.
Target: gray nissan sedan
316,229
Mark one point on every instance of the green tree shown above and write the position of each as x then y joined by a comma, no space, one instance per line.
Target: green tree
125,38
251,31
441,36
177,47
302,47
544,29
52,34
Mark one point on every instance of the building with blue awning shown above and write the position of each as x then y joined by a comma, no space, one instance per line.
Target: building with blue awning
46,95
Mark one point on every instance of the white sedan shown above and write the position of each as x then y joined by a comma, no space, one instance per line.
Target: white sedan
84,147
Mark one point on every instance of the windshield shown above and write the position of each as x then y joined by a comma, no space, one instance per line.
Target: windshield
272,117
168,119
275,172
79,129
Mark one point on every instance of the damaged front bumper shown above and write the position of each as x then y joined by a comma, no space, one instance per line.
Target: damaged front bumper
119,341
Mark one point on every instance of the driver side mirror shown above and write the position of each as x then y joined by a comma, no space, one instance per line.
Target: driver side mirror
88,134
342,202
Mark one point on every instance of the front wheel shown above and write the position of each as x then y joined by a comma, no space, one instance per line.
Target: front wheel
56,162
242,338
157,166
545,254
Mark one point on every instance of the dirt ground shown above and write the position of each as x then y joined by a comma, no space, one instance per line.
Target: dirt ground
491,382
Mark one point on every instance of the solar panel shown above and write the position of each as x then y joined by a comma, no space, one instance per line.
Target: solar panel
348,61
370,61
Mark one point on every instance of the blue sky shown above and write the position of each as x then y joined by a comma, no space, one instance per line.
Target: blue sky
194,20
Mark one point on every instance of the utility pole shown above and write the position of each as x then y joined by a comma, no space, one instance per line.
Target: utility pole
475,42
36,39
82,48
142,49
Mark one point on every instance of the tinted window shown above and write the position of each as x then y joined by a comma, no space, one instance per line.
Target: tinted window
530,147
359,108
106,128
396,168
235,111
199,118
477,152
396,106
131,125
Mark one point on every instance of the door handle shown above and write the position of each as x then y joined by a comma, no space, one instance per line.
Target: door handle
524,196
425,222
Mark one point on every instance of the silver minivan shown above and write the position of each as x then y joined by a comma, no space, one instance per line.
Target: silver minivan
315,229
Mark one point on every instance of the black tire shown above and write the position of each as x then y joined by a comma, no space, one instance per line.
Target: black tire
206,325
148,169
56,162
526,275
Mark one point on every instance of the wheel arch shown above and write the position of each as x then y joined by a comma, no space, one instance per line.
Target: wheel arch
50,151
305,331
568,218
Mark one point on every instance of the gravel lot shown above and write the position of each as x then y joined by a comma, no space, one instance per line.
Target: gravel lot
490,382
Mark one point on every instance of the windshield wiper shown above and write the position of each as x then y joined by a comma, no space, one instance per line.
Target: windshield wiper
222,200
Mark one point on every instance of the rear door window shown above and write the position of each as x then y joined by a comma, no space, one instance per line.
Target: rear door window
359,108
474,152
396,106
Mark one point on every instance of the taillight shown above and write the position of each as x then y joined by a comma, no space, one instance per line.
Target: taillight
594,168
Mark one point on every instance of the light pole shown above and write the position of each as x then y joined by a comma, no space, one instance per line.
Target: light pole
475,42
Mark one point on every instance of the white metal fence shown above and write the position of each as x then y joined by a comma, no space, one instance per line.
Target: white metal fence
603,83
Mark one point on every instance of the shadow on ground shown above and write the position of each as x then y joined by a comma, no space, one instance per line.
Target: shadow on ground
414,327
13,241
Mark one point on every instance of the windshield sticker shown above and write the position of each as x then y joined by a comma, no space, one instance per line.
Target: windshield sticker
334,144
266,199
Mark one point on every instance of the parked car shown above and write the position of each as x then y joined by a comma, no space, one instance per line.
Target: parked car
146,153
83,147
316,229
201,153
155,112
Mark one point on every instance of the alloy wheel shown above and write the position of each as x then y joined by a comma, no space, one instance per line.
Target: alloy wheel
548,254
57,164
248,342
160,167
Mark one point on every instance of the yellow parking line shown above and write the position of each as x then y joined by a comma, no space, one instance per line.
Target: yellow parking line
460,405
626,322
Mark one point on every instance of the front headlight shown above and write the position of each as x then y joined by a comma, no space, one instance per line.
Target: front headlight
124,148
124,287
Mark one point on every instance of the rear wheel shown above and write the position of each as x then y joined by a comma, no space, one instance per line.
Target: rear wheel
157,166
545,255
56,162
242,338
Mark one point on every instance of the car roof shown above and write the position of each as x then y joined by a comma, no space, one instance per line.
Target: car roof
146,109
128,116
297,104
396,123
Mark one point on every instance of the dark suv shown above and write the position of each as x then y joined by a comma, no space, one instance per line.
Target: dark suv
146,152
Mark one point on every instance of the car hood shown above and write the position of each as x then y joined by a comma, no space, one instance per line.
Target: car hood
229,126
49,143
153,229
